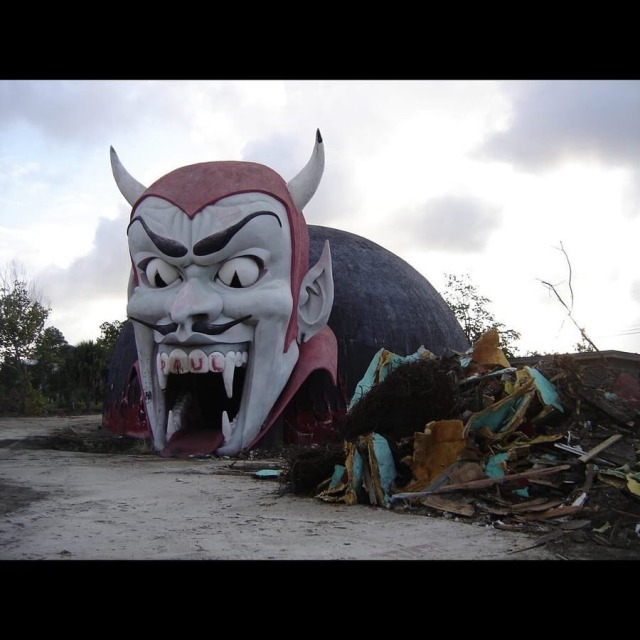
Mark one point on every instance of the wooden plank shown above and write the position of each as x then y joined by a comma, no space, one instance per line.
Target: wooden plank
527,507
484,483
488,482
558,512
601,447
523,506
580,452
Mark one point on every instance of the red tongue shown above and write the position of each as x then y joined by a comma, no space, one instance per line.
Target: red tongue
192,442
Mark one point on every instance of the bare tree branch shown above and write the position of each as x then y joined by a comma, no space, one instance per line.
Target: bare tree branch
552,288
569,265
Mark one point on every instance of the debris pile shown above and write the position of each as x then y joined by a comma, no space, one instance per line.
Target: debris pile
548,448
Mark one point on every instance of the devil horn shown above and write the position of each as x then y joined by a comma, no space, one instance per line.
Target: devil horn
129,187
304,185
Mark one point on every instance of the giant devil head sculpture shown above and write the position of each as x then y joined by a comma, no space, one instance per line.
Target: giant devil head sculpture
229,319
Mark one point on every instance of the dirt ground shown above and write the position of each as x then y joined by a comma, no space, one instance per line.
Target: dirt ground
69,490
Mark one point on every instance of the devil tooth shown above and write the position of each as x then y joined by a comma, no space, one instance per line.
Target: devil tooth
226,426
178,361
162,367
216,362
176,416
227,374
173,423
198,361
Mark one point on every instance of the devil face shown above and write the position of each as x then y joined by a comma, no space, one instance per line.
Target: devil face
211,311
220,298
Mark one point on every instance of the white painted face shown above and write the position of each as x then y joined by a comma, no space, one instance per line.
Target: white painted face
210,312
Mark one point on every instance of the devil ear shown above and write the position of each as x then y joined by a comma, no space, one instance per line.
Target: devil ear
316,297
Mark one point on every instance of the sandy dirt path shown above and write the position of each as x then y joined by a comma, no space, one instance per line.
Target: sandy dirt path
62,505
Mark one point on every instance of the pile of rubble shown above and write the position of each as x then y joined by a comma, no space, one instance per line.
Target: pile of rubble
547,448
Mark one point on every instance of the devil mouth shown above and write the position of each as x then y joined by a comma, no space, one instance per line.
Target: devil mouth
203,388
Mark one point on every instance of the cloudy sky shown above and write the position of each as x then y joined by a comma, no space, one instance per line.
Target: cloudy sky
490,179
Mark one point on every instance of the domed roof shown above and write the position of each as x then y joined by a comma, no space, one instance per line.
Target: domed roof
381,301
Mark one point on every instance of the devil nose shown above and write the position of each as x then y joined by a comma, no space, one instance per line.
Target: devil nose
195,301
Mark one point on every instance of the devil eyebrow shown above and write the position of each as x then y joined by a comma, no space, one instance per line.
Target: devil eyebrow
219,240
168,246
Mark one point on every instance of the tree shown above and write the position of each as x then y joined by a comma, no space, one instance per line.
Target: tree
23,314
109,332
85,368
472,311
49,355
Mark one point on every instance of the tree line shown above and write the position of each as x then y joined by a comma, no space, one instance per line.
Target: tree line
40,372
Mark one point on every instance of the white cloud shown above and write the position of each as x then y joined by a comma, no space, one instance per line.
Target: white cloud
557,120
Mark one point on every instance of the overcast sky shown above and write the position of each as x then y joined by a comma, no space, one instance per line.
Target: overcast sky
485,178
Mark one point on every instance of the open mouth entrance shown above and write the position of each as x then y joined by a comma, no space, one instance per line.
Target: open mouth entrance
195,404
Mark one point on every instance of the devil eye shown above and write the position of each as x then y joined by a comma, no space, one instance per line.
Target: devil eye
160,274
240,272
